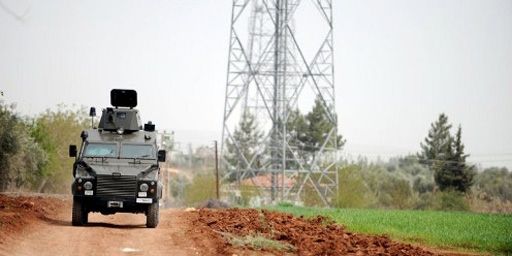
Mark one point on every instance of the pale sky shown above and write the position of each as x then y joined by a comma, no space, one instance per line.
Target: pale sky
398,64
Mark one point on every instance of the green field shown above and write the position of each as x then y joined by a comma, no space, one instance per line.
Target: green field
446,230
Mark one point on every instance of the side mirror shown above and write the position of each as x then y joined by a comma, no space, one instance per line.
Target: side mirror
72,151
161,155
84,135
92,112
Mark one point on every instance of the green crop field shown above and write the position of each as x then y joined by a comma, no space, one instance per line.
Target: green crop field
447,230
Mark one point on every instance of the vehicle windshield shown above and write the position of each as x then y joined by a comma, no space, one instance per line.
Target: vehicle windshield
100,150
137,151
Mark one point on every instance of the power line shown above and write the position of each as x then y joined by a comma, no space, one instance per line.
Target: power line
20,18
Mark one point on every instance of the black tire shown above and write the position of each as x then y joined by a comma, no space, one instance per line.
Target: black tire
79,214
85,216
152,215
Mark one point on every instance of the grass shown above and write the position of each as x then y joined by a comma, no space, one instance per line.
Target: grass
257,242
446,230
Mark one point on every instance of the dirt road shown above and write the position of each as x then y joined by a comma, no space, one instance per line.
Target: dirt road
119,234
41,225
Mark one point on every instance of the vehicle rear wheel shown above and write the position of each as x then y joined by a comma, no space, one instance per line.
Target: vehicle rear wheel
152,215
79,214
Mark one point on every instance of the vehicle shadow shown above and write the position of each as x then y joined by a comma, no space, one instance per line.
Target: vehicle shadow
117,226
57,222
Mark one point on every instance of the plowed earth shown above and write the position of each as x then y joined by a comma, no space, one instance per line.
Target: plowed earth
41,225
314,236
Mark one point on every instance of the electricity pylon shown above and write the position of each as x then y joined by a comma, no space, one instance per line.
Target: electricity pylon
270,75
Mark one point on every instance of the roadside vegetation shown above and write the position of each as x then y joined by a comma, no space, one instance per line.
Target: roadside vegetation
33,157
33,150
438,177
445,230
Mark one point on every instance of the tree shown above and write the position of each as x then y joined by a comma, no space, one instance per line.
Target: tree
55,130
297,127
444,154
437,143
457,175
21,157
309,132
9,144
319,128
168,141
245,143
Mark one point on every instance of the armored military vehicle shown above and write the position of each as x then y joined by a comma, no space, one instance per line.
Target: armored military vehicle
116,168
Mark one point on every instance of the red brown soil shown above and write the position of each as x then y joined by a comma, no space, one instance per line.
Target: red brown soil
41,225
36,224
17,211
309,236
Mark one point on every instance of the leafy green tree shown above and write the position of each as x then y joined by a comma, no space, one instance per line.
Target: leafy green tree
437,143
319,127
248,138
55,130
444,154
28,161
309,132
9,143
21,157
167,141
457,174
297,127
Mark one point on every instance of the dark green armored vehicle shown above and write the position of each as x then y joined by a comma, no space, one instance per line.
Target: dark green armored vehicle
116,168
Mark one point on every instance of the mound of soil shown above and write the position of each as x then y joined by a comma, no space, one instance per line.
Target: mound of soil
213,204
309,236
17,211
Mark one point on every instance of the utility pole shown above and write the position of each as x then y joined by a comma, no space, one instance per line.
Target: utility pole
216,171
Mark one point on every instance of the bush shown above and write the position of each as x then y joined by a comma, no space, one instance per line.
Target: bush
200,189
54,131
396,193
449,201
353,191
495,182
21,157
248,195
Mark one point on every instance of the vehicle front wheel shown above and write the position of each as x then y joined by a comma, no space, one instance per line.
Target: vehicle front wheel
79,214
152,215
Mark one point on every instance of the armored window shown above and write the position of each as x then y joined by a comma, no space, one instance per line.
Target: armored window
100,150
137,151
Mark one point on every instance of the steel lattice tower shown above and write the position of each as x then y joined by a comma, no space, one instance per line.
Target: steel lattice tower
269,76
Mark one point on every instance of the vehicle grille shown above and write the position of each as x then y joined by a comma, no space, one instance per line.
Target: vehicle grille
108,185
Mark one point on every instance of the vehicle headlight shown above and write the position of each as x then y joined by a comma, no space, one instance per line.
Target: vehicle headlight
81,172
143,187
88,185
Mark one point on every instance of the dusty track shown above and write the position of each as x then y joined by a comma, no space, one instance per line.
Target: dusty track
40,225
50,232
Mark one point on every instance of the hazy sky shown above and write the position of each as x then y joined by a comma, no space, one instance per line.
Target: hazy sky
398,64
